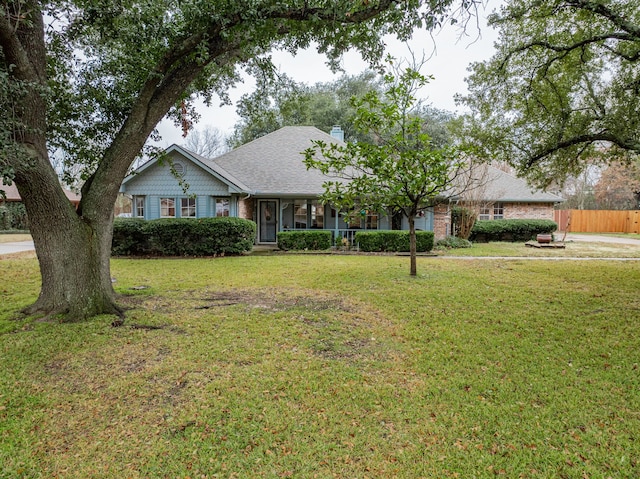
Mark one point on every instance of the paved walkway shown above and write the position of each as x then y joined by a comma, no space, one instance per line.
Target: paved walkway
16,247
598,238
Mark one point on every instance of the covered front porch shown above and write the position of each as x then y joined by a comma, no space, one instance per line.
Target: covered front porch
273,215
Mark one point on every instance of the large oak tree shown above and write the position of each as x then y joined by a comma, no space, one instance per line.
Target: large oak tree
90,80
563,89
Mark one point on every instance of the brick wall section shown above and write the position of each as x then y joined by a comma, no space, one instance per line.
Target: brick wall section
529,211
246,208
441,221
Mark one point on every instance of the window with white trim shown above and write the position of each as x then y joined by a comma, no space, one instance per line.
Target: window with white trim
300,214
317,214
485,213
138,206
222,206
498,211
188,207
371,220
167,207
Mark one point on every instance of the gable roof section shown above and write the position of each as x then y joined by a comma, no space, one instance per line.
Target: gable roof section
12,194
273,164
234,184
503,187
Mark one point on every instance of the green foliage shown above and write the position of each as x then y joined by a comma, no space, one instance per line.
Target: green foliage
284,102
511,230
130,237
97,76
403,170
463,219
182,237
563,88
13,216
376,241
94,78
304,240
453,242
323,105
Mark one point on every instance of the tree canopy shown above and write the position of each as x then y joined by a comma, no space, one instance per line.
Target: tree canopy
92,79
400,170
563,87
285,102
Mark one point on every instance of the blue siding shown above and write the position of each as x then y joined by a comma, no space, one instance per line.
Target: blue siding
424,223
157,181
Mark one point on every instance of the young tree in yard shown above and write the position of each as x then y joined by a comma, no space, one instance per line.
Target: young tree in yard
564,83
401,171
91,80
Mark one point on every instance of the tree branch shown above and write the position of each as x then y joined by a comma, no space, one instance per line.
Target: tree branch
586,139
599,8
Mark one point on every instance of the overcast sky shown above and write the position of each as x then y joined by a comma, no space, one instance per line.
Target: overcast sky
450,55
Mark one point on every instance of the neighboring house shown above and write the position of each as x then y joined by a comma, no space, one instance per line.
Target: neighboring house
266,181
12,195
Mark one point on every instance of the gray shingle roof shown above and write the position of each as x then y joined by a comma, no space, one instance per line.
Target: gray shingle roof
507,188
273,164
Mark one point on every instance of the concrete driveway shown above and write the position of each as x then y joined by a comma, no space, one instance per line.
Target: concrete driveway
16,247
597,238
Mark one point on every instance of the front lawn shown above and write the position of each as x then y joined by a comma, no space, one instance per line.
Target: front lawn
329,366
13,237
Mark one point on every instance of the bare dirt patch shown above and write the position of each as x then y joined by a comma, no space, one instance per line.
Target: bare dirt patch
275,300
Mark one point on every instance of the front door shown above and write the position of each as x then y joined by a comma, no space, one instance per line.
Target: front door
267,221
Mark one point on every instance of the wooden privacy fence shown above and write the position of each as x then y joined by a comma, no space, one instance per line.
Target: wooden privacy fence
598,221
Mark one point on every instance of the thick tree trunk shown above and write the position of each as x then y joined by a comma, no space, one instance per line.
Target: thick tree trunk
413,270
73,250
73,254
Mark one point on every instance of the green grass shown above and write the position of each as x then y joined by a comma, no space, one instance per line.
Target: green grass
330,367
13,237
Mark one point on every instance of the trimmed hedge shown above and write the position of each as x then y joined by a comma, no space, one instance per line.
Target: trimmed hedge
510,230
182,236
453,242
304,240
374,241
13,216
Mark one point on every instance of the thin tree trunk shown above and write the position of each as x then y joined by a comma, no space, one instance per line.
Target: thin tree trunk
413,270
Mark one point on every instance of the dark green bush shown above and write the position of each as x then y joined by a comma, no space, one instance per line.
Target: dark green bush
304,240
182,237
374,241
129,237
13,216
453,242
511,230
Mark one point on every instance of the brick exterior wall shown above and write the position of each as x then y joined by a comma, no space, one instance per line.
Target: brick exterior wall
529,211
441,221
246,208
